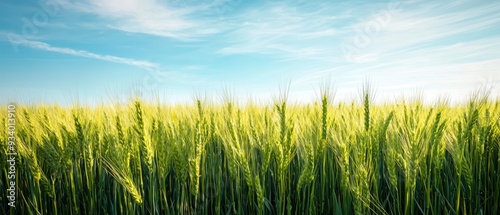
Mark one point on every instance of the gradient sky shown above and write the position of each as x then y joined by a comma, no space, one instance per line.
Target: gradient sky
92,50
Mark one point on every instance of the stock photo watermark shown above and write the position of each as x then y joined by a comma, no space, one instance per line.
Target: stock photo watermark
226,7
31,25
11,155
365,34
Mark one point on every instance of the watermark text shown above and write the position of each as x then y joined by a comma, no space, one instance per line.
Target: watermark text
11,155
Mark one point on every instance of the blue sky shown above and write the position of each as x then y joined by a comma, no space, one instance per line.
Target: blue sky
93,50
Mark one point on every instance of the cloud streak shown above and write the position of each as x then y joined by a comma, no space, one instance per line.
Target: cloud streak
148,17
282,30
415,27
82,53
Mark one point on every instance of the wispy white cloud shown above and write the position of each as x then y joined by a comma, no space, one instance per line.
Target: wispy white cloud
413,27
430,39
154,75
82,53
283,30
148,17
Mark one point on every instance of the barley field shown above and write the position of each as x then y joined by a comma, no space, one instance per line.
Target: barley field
324,157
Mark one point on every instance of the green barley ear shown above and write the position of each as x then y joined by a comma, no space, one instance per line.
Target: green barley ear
367,96
79,129
79,139
200,108
119,129
139,117
260,192
46,186
324,122
307,175
31,127
124,179
200,140
247,174
146,148
386,124
367,112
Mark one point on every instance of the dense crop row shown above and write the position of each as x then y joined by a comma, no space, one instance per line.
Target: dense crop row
321,158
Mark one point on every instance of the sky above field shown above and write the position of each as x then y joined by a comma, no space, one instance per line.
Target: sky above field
95,50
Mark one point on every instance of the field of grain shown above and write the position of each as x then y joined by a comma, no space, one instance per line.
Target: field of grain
318,158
